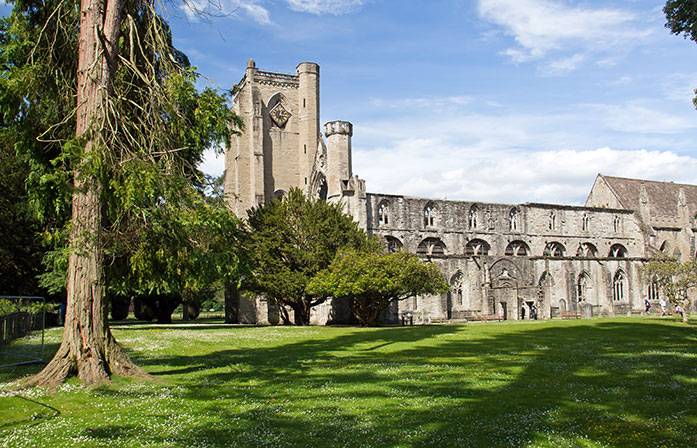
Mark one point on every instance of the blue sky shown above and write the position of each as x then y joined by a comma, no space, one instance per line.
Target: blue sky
492,100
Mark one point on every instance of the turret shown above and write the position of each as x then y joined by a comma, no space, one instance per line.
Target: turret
339,170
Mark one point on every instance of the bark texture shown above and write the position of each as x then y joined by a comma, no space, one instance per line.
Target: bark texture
88,349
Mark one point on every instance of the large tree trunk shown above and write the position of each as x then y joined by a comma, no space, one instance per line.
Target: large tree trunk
88,349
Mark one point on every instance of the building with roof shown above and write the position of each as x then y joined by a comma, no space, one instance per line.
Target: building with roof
502,261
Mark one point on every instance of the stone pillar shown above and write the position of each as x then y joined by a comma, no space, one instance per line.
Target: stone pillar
308,104
338,134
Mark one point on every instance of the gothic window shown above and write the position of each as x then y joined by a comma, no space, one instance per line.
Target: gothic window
552,220
617,251
617,223
517,249
431,246
477,247
383,213
429,215
553,249
584,282
393,244
473,217
618,287
586,250
585,221
545,280
653,289
513,220
456,288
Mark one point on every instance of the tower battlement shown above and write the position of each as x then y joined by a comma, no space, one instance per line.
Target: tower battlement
338,127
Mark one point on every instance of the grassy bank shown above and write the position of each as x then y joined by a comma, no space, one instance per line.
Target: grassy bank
608,382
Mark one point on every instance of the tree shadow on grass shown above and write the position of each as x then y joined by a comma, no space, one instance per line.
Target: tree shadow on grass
610,383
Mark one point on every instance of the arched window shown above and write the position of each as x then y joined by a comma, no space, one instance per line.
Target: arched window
552,220
473,217
393,244
585,222
513,220
545,279
429,215
617,251
383,213
617,223
587,250
618,287
457,287
431,246
584,283
554,249
653,289
477,247
517,249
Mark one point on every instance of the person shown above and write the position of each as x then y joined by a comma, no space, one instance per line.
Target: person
678,309
663,307
647,305
533,312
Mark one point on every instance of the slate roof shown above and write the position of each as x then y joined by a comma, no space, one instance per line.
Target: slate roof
663,196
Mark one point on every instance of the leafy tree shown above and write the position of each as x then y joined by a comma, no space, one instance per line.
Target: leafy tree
674,278
120,128
293,239
681,16
371,280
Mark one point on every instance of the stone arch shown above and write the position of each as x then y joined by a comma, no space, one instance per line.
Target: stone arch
279,109
278,195
384,212
618,286
546,279
513,224
430,212
319,188
477,247
554,249
393,244
517,248
583,286
587,250
504,273
473,216
431,246
457,288
617,251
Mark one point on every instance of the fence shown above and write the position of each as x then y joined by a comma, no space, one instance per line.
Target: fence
20,323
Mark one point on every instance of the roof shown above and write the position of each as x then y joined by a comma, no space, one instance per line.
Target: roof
663,196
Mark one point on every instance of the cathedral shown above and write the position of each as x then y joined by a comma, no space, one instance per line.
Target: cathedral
502,261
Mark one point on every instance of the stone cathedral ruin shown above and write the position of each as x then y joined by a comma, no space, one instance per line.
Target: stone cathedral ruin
499,259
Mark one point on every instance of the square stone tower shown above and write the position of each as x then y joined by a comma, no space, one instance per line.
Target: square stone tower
278,146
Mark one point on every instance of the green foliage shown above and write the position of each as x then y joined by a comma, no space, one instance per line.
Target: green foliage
681,16
291,241
673,277
371,280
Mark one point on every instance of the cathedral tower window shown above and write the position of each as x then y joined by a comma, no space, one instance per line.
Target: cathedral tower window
429,215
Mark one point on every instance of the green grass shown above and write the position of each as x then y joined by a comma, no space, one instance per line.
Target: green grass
597,383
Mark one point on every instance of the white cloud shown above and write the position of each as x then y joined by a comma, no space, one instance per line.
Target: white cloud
335,7
563,66
432,168
641,117
540,26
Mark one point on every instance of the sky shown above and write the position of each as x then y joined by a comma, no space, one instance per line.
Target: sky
490,100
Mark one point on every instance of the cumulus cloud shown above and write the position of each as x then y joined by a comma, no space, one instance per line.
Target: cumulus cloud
642,118
335,7
540,26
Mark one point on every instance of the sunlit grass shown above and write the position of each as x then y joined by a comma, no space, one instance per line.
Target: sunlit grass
596,383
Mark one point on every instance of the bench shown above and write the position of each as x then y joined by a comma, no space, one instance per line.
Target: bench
570,315
488,317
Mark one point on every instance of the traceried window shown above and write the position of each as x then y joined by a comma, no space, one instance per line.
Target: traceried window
617,223
554,249
653,290
585,223
477,247
587,250
618,287
429,215
431,246
617,251
584,282
517,249
552,220
457,287
393,244
384,213
513,220
473,217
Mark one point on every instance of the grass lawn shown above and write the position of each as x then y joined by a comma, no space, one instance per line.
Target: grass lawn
596,383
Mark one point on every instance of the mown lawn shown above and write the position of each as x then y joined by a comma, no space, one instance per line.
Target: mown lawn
596,383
